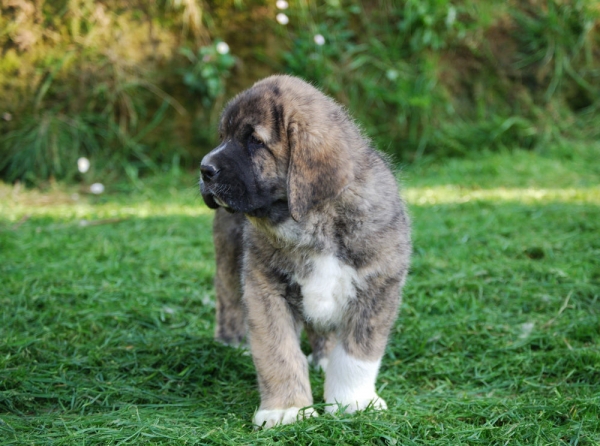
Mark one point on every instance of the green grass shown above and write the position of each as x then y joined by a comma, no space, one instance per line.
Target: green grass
106,325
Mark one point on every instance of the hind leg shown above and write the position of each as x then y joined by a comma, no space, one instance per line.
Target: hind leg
322,344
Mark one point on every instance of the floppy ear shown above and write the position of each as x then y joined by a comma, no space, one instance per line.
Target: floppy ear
320,167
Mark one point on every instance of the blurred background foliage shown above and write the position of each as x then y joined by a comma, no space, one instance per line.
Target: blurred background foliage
137,87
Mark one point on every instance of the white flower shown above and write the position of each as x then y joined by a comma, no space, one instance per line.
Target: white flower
97,188
392,74
168,310
526,329
282,4
222,48
319,39
451,17
282,18
83,164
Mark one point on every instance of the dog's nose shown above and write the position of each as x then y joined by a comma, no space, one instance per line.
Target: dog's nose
208,172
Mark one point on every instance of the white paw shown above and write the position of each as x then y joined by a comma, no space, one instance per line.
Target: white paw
350,383
269,418
351,406
321,365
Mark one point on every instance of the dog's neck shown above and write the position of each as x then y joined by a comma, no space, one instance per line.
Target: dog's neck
306,234
274,214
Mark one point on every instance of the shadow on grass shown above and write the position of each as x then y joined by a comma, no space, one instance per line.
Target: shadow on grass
104,317
175,371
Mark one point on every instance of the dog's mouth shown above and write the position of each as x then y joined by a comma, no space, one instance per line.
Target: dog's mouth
222,203
211,199
219,202
233,198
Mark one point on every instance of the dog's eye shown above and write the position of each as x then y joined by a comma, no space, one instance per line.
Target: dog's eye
254,142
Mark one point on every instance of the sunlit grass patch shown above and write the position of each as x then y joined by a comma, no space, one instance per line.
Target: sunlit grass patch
78,210
63,202
458,194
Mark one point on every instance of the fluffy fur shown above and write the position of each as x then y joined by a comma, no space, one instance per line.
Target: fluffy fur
326,245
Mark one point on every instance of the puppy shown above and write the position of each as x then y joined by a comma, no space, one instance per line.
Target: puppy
310,232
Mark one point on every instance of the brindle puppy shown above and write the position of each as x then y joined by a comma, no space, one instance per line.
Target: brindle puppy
326,245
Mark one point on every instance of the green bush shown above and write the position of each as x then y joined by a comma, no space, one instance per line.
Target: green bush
107,82
138,88
448,78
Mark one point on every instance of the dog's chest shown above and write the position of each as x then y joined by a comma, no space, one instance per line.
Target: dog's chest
327,287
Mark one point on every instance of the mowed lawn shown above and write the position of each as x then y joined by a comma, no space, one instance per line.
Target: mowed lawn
107,315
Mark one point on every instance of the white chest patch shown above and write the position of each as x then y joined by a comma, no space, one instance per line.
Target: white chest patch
327,290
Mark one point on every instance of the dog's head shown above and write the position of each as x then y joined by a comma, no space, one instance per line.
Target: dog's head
282,142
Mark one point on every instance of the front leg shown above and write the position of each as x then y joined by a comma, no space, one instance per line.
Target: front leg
350,382
354,361
281,366
227,236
